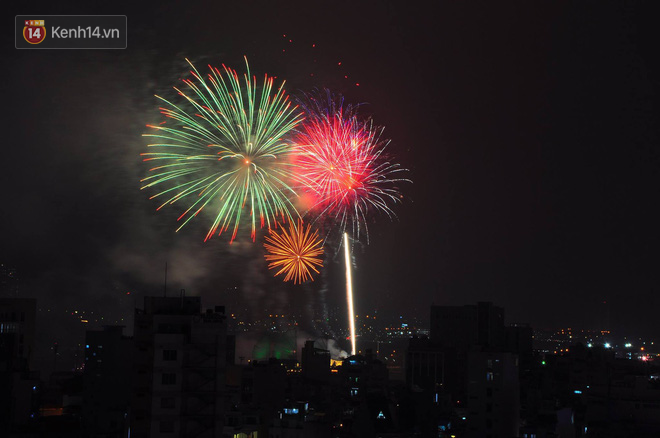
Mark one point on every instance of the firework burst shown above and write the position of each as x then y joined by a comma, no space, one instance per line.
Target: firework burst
342,167
294,252
222,148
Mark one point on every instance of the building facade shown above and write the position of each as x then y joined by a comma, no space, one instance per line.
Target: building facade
180,365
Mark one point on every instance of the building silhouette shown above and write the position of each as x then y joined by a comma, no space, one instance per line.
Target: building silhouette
315,362
493,394
179,373
468,369
19,384
107,382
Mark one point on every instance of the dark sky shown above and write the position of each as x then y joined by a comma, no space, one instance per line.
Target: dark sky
530,130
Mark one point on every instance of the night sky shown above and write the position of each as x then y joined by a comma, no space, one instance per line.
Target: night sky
530,130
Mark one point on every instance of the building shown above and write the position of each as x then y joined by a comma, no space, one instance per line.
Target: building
425,365
19,385
18,321
315,362
493,394
466,373
107,382
180,365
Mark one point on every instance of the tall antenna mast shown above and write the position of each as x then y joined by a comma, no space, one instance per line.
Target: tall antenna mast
165,285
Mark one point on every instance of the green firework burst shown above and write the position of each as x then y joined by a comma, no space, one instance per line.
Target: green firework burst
223,149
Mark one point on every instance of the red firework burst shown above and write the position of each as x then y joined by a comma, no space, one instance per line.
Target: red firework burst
342,168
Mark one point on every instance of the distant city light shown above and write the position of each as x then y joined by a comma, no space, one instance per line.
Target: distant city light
607,345
590,345
577,391
628,345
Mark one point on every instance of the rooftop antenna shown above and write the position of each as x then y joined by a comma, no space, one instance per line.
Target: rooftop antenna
165,285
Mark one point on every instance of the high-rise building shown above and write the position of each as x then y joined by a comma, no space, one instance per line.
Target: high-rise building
493,394
425,366
471,361
107,382
18,322
18,384
180,365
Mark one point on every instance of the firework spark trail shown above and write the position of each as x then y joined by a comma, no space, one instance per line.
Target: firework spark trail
345,174
294,252
225,150
349,293
343,170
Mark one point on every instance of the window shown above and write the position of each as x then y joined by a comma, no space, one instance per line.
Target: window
167,426
169,354
169,379
167,403
489,376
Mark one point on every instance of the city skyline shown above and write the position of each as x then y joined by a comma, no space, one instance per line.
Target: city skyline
529,133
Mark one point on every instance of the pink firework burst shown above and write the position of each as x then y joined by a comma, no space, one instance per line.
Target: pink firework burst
342,167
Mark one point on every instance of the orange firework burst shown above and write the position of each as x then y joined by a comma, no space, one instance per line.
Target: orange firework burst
294,252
